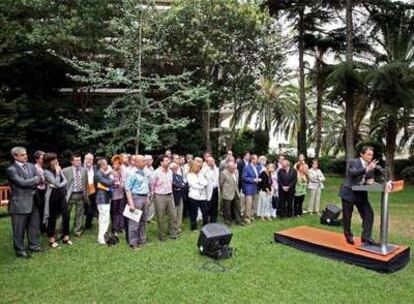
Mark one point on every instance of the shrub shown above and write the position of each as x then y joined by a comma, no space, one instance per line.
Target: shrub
332,165
401,164
408,174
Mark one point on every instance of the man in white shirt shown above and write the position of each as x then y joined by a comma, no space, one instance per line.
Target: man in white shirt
149,170
90,208
211,172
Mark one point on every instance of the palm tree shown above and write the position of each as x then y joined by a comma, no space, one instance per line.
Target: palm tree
392,84
333,133
392,89
297,11
276,105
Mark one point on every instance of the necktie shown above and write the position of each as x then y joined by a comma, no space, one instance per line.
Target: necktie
78,182
25,169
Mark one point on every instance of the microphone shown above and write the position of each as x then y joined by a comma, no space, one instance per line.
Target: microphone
384,172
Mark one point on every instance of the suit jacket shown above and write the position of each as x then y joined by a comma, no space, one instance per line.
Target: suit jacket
249,186
355,174
68,172
228,186
266,183
52,182
179,187
287,179
23,188
102,196
240,168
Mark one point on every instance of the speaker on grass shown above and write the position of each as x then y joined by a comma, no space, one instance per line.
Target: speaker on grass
330,216
214,241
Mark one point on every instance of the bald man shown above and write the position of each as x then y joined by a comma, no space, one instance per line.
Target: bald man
137,190
90,207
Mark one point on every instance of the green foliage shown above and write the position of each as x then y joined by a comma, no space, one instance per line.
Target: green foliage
332,165
249,140
401,164
139,114
408,174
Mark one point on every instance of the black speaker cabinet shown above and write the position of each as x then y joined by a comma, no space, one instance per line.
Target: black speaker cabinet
214,241
330,216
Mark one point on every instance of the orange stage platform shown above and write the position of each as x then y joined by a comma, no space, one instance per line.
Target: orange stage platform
333,245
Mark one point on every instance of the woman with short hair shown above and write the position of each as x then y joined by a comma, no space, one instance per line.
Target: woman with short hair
264,205
118,195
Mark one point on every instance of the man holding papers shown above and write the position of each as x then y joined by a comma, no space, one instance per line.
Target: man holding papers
137,195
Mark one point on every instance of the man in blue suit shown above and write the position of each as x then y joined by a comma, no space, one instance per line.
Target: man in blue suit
250,179
241,164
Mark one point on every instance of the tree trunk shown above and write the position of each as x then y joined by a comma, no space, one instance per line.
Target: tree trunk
319,96
302,117
390,147
206,126
349,98
138,133
140,97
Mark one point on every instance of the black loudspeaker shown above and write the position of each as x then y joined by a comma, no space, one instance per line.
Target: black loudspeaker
330,216
214,241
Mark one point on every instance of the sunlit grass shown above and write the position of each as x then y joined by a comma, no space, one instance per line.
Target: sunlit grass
173,272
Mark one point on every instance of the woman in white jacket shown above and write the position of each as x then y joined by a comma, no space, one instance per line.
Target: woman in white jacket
197,194
316,179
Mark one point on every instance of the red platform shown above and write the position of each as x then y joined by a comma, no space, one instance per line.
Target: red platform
333,245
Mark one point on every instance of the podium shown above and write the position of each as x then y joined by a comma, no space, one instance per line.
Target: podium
385,188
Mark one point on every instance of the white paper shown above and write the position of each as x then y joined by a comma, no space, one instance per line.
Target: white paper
135,215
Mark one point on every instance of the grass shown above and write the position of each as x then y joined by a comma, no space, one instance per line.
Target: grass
174,272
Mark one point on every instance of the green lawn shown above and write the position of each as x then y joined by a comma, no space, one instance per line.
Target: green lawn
174,272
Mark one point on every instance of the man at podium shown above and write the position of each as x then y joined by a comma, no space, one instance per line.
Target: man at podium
360,171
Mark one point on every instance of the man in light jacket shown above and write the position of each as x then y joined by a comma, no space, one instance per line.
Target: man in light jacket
77,190
229,187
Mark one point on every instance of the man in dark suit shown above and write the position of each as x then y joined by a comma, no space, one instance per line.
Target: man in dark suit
241,164
23,180
360,171
286,178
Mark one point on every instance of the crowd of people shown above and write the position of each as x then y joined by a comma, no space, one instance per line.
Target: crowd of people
242,190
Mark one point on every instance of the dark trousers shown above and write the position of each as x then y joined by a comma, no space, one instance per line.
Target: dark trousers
231,211
91,211
285,208
40,203
366,213
26,223
298,205
186,203
117,218
58,207
213,206
194,205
